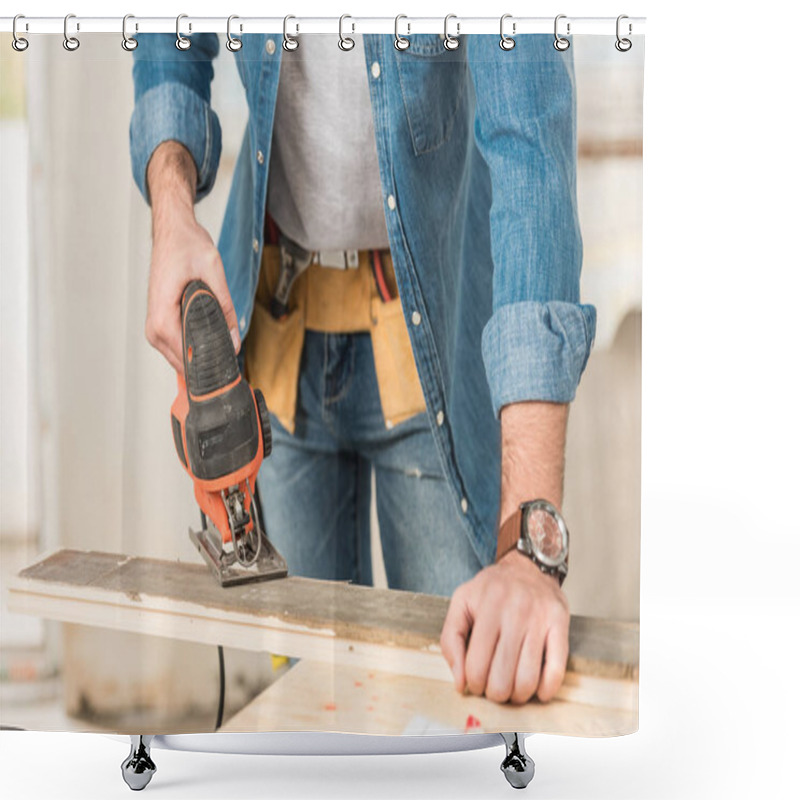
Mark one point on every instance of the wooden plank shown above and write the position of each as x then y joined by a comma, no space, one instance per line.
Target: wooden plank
324,621
319,696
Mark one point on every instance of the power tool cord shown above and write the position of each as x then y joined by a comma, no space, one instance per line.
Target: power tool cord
221,704
220,653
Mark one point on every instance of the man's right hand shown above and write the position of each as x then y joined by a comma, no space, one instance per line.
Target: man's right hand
182,251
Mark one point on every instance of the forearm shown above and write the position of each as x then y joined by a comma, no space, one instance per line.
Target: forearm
183,251
533,439
506,634
171,183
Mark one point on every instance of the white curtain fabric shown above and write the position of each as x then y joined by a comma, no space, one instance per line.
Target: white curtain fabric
110,477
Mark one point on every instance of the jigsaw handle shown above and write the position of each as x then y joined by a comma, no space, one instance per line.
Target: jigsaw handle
224,426
209,357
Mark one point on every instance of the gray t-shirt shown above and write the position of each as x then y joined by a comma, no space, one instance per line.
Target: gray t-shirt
324,185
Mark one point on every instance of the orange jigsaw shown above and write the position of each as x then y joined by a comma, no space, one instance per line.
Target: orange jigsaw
222,434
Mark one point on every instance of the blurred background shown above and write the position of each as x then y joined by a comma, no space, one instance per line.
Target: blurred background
102,475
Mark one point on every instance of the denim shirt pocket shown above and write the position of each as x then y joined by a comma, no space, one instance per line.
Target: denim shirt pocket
432,82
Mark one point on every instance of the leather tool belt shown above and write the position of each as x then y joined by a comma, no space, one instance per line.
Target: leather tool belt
333,291
295,260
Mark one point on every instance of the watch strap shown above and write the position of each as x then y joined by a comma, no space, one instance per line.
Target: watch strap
510,531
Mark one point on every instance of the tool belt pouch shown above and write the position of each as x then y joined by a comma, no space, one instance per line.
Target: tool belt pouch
275,346
332,301
398,382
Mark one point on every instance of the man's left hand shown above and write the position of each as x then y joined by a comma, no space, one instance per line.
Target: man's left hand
506,634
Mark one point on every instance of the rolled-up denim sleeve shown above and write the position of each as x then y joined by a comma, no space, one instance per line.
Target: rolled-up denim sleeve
536,344
172,93
537,351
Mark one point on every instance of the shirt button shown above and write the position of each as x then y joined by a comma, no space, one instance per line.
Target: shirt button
464,505
270,45
242,323
440,422
255,245
391,202
260,157
416,318
375,69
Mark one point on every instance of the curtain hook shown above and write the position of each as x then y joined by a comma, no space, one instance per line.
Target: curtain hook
19,43
451,42
70,43
506,42
181,42
401,42
234,44
128,43
623,45
345,42
290,43
560,43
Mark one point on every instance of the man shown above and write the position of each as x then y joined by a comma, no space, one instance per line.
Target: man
471,156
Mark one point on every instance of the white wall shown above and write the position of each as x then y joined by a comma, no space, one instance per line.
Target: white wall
19,431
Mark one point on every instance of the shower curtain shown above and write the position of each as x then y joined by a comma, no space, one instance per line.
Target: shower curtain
483,252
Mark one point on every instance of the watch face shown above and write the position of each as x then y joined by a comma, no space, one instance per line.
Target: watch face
547,534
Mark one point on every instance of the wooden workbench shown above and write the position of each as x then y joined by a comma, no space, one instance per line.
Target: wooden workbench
370,658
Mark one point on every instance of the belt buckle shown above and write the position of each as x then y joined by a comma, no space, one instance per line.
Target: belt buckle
337,259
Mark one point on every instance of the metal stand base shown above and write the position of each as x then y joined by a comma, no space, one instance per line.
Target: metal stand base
517,766
138,768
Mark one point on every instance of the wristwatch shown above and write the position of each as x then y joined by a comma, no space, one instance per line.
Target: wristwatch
542,537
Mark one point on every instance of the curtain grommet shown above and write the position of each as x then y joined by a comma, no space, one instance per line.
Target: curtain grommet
507,42
623,44
70,43
19,43
182,42
560,42
234,43
451,42
290,43
129,44
346,43
401,42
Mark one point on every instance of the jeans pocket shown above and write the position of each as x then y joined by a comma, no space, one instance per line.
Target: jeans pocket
432,82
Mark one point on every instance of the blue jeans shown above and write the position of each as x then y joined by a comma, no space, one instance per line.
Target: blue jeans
315,487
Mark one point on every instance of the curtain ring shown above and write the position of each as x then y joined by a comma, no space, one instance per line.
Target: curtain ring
345,42
234,44
128,43
19,43
506,42
290,43
451,42
181,42
560,43
70,43
623,45
401,42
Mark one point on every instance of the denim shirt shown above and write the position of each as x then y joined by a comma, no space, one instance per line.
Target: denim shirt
477,156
